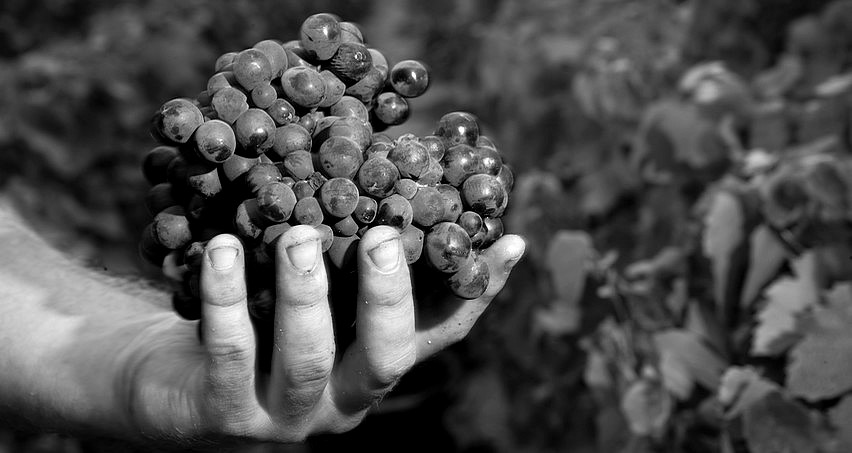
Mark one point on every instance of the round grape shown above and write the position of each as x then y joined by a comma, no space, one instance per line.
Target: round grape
457,128
448,247
484,194
395,211
303,86
427,207
176,120
409,78
308,212
299,164
215,141
349,106
276,201
459,163
156,163
365,210
255,131
391,108
471,280
229,104
276,55
412,243
471,222
339,197
291,137
320,35
252,68
351,62
260,175
377,176
171,228
282,112
410,157
340,157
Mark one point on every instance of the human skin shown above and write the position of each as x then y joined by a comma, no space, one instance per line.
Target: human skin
87,354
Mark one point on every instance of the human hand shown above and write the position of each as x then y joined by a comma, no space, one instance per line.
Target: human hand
177,388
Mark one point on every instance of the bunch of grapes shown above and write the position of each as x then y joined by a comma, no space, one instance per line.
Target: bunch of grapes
290,133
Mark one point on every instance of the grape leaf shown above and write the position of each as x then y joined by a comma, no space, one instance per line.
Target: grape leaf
775,424
704,365
701,320
724,226
767,255
778,326
676,376
740,388
819,366
647,407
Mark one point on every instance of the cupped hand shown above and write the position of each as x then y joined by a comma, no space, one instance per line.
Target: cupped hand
213,391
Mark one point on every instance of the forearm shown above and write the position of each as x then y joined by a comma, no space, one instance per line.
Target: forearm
64,332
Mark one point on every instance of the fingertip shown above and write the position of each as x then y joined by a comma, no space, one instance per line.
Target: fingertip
509,249
377,235
222,252
380,249
299,248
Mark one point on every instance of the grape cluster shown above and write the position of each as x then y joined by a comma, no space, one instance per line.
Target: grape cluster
290,133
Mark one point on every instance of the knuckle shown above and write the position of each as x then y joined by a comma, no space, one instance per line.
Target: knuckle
311,371
388,373
223,296
235,349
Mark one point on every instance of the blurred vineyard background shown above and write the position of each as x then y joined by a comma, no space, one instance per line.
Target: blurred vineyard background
683,179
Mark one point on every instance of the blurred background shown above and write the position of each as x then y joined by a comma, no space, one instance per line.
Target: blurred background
682,180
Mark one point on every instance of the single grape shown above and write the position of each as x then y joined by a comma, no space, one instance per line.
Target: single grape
471,222
220,80
282,112
350,106
452,202
391,108
410,157
493,230
379,149
459,163
433,175
334,89
377,176
215,141
296,55
354,128
395,211
149,249
276,55
252,68
156,163
326,236
427,207
484,194
255,131
236,166
203,178
203,98
339,197
434,146
270,236
366,89
171,228
350,32
263,95
303,189
457,128
351,62
339,157
488,160
291,137
308,212
406,187
176,120
229,104
412,243
409,78
223,60
303,86
506,177
447,246
260,175
193,254
345,227
159,197
299,164
320,35
380,62
471,280
365,210
276,201
248,220
343,251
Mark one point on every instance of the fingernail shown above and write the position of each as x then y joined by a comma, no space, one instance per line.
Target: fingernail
223,257
303,256
385,256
